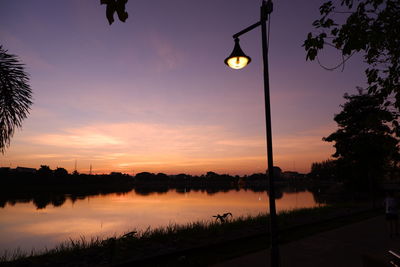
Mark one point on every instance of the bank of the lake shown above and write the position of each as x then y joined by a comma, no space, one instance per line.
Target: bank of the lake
199,243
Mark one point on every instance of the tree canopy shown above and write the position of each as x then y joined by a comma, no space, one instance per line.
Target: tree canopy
324,170
15,96
370,27
365,142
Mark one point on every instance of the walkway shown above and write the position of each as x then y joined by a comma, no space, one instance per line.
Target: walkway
358,244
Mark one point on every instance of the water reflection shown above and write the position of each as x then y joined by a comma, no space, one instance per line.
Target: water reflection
41,199
39,221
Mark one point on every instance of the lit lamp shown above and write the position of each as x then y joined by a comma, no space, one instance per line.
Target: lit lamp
237,59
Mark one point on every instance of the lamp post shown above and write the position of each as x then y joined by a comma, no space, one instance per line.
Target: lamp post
237,60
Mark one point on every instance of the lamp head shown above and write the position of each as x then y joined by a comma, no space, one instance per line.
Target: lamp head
237,59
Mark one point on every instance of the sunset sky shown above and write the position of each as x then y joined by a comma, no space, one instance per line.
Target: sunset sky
153,94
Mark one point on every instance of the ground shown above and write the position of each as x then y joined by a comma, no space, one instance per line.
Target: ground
364,243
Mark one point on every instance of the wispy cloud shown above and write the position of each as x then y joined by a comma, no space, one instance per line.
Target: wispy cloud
76,139
243,142
29,57
303,149
174,148
169,57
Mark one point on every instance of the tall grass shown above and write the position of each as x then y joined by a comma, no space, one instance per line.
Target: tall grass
152,241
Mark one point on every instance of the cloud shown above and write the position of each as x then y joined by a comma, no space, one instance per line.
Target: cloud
31,59
46,156
244,142
303,148
141,137
121,146
171,149
76,139
168,56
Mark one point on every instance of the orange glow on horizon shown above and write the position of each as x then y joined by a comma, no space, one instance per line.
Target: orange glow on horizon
134,147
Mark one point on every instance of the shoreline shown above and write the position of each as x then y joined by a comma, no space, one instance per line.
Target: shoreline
177,240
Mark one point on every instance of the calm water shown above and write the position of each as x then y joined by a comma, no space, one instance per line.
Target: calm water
23,225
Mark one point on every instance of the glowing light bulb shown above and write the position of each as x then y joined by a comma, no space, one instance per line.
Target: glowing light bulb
238,59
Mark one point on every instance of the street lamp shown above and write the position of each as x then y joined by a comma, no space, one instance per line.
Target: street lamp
238,60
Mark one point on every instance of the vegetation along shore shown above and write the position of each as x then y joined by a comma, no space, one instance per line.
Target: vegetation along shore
196,243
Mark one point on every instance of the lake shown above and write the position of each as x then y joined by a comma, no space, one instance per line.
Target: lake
24,226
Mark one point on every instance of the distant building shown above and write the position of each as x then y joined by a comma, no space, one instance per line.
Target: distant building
25,170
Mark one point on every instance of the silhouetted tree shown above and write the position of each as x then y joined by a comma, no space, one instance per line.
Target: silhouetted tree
278,193
365,144
4,171
115,6
324,170
371,27
58,200
211,174
15,96
162,177
44,171
145,177
41,201
256,176
60,172
277,172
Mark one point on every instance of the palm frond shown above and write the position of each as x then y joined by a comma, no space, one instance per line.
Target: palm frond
15,96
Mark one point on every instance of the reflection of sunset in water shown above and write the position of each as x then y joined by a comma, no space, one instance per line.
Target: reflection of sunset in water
24,226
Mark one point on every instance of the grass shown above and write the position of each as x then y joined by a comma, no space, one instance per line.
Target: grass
192,244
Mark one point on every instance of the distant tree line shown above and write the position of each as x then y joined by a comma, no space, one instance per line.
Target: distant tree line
46,185
45,177
53,187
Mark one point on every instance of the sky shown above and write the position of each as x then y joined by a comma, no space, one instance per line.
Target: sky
153,94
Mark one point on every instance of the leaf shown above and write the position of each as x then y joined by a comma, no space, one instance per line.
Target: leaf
312,53
371,29
15,96
115,6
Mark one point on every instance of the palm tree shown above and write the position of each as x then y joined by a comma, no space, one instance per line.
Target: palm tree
15,96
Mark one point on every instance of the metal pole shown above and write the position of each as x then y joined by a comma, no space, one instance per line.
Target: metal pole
266,8
251,27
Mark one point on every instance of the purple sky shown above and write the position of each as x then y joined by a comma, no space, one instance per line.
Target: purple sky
153,94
